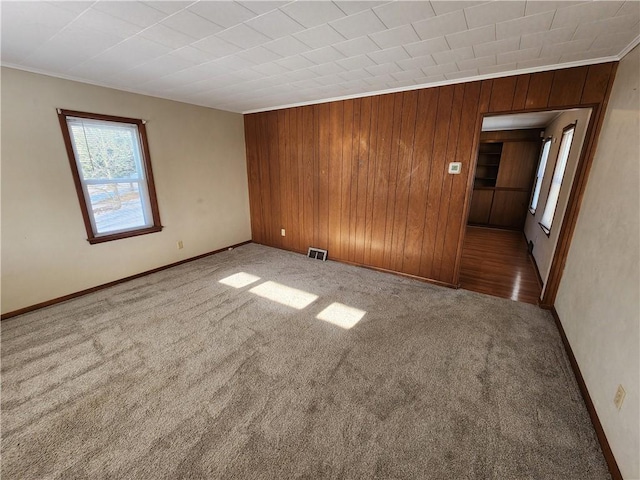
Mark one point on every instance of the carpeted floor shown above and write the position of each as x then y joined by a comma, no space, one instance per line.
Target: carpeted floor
177,375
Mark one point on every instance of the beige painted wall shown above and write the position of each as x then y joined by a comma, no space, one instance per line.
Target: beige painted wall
598,300
544,246
198,159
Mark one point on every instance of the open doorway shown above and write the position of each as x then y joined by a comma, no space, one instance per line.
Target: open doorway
524,172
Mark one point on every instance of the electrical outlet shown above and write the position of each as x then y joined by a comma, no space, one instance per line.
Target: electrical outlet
282,232
619,398
180,245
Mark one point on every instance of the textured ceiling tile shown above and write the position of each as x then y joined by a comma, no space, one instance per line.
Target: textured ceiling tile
395,36
500,46
323,55
350,7
320,36
261,6
378,70
559,35
191,24
259,55
616,41
472,37
524,25
441,25
394,14
456,55
133,12
494,12
355,63
496,69
296,62
274,24
539,6
226,14
287,46
168,7
567,47
314,13
477,62
388,55
588,12
216,46
363,23
445,6
427,47
357,46
417,62
440,69
465,74
607,26
243,36
519,55
166,36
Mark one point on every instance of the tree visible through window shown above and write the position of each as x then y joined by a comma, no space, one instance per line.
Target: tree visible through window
111,167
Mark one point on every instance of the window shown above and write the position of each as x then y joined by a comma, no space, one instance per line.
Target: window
544,155
556,181
109,159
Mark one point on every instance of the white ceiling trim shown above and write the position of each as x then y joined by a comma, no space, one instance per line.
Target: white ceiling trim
488,76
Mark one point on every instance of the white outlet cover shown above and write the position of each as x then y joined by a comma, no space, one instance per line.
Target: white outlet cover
455,168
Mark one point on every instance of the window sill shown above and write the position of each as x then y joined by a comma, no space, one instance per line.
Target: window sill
121,235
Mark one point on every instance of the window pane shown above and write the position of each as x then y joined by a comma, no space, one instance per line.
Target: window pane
106,149
540,175
556,182
117,206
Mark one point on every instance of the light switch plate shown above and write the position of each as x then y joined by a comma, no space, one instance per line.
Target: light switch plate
455,167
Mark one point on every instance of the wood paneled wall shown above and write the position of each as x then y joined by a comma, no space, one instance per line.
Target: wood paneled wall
367,178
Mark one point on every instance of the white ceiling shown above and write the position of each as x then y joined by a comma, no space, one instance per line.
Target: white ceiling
260,55
519,121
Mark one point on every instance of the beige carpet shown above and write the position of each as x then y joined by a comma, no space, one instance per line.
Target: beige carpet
179,375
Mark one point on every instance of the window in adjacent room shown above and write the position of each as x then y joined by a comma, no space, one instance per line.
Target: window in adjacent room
542,165
110,163
556,181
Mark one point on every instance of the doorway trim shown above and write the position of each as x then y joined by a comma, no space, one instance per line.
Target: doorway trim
576,194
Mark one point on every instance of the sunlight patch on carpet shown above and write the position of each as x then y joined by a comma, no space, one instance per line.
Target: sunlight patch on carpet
341,315
291,297
239,280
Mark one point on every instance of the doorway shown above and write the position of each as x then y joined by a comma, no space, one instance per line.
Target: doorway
524,173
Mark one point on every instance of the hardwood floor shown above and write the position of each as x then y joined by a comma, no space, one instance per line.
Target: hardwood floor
497,262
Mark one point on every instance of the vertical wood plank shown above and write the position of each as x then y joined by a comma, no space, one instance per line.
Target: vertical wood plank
362,177
419,189
381,182
355,148
324,152
520,93
274,178
502,94
334,174
308,210
284,158
393,180
567,87
539,89
345,208
445,203
265,183
595,86
405,160
371,173
441,136
294,224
